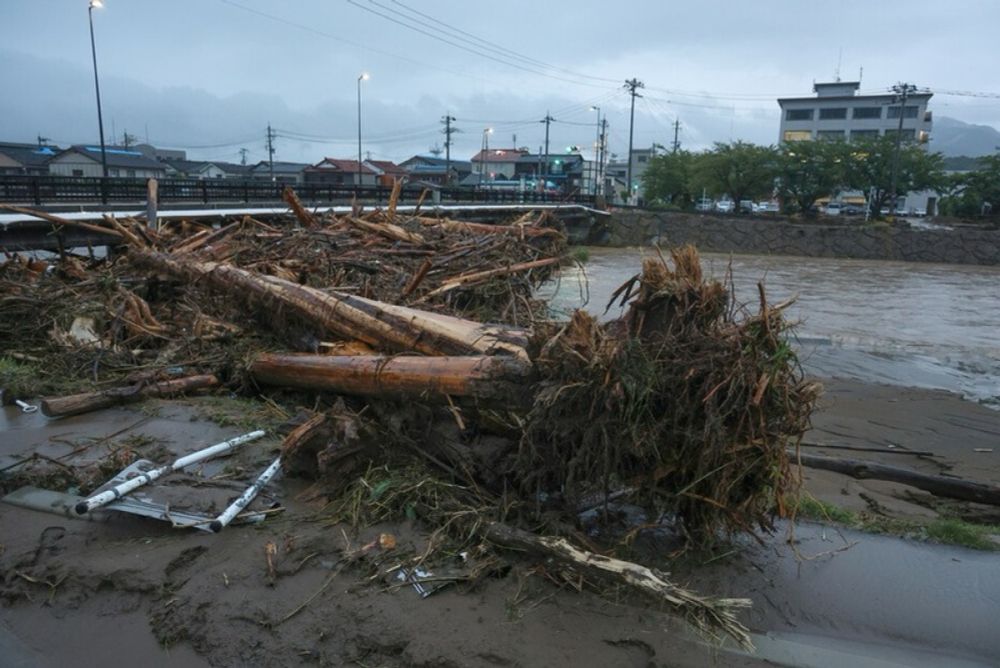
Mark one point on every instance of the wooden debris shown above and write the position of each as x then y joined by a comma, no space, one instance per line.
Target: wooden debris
305,217
76,404
500,379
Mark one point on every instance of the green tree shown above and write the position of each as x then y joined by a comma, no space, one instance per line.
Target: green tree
809,170
870,170
741,170
668,178
975,193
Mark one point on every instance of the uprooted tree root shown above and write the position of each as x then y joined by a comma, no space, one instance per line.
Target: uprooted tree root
687,404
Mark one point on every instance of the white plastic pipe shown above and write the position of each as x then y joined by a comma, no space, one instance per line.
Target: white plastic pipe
124,488
239,504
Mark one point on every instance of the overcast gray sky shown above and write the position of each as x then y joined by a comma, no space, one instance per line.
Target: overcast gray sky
208,75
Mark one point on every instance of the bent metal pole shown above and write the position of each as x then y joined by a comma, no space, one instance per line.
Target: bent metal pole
239,504
124,488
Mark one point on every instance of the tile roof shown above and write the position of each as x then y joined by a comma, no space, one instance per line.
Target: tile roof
29,155
337,164
499,155
386,166
116,157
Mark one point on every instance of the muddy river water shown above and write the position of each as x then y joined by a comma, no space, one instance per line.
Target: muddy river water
910,324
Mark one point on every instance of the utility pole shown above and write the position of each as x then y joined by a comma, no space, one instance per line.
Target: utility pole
631,85
243,156
902,91
448,130
545,168
677,131
602,152
270,150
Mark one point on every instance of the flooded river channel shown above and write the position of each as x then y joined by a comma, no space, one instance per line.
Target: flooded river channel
918,325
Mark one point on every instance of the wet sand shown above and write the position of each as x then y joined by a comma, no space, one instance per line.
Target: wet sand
126,586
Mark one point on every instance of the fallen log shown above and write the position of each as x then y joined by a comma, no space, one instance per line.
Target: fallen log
381,325
295,204
484,228
482,377
58,220
76,404
710,615
953,488
387,230
475,277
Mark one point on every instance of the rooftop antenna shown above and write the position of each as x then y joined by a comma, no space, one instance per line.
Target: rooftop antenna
840,57
861,71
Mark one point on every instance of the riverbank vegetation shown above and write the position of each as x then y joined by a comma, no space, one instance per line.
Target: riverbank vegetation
799,174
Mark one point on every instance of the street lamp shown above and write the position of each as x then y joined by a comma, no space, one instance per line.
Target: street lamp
362,77
484,156
597,149
97,85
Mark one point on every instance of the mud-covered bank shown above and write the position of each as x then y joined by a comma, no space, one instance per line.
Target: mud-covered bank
186,598
822,238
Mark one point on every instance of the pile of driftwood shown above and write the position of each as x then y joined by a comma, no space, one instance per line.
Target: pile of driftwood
441,385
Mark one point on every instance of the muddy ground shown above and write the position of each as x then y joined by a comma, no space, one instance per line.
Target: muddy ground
93,592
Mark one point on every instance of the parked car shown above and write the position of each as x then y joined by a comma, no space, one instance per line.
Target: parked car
724,206
833,209
704,205
768,207
746,206
852,210
920,212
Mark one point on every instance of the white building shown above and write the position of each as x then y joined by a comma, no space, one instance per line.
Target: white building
838,112
86,161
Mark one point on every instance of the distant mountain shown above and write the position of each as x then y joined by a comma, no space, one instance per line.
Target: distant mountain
953,137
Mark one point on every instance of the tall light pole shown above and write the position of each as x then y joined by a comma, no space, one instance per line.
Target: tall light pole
362,77
97,85
485,153
597,148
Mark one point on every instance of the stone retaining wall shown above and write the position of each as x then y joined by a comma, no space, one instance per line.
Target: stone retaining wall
770,236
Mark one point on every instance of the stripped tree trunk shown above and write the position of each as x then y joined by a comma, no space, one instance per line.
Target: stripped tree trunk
383,326
499,379
91,401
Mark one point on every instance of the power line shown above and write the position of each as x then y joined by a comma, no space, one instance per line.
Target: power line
493,46
468,49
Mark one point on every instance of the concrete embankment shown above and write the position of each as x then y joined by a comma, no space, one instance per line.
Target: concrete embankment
779,236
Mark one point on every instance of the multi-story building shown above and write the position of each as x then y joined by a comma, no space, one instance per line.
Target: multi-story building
838,112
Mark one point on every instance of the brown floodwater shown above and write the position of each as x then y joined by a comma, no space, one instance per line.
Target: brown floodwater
900,323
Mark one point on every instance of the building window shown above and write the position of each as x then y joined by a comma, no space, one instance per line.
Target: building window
114,172
833,114
641,158
830,135
77,172
909,134
797,135
867,112
909,112
799,115
864,135
131,173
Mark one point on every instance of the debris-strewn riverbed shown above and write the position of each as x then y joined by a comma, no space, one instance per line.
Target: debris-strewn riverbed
190,599
410,437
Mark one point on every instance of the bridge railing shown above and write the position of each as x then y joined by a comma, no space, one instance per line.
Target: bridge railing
49,190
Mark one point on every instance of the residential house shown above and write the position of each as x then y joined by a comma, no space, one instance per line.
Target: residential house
337,172
192,169
279,172
386,171
151,151
433,170
28,159
497,164
566,172
85,160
